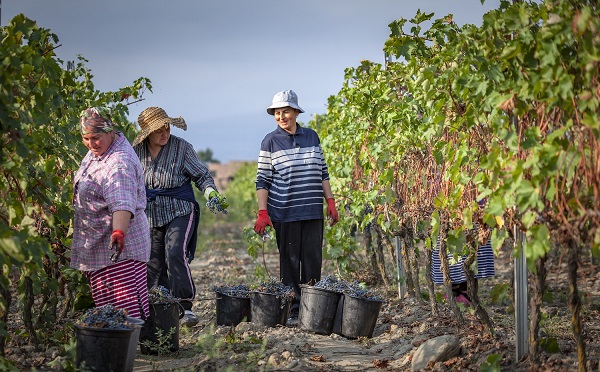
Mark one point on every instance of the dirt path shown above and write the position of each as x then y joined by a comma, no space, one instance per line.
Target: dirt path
401,327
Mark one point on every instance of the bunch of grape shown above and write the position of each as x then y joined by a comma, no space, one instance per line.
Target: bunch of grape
106,316
160,295
331,283
217,204
276,287
358,291
240,290
354,289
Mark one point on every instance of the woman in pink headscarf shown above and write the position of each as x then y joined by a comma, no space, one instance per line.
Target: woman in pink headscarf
111,243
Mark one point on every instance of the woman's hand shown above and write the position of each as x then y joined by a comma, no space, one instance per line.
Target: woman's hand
332,214
262,221
117,240
216,203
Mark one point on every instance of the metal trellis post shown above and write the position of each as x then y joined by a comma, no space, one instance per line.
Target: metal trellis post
521,318
401,271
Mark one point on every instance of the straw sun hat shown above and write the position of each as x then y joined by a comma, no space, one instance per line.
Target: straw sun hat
154,118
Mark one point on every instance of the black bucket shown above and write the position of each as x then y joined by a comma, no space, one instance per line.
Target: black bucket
269,309
356,317
101,349
231,310
318,308
133,342
164,318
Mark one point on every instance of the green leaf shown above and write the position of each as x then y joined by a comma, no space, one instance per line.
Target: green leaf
537,244
550,345
498,238
511,51
492,363
12,247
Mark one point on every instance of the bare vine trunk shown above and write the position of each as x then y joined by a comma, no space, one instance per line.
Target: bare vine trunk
409,242
381,258
445,268
28,304
539,285
472,290
575,304
429,281
371,253
410,285
6,300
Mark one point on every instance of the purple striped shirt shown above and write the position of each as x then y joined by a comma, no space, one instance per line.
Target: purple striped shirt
102,185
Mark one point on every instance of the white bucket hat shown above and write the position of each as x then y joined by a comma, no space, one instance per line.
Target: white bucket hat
286,98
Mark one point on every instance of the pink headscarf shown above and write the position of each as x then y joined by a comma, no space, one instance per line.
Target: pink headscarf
95,120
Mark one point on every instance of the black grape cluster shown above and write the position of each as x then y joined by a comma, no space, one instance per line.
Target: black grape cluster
240,290
106,316
160,295
353,289
276,287
217,204
331,283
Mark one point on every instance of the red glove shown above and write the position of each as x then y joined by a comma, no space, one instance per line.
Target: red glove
117,238
332,213
262,221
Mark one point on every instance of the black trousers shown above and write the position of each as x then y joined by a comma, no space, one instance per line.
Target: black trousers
168,265
300,246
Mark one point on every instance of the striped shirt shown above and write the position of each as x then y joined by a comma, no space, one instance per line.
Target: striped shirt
292,168
175,164
124,285
484,265
102,185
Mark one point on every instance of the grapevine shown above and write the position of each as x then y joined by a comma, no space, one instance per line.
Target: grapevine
506,112
39,153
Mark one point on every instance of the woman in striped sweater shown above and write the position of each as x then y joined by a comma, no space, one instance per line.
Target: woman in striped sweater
292,181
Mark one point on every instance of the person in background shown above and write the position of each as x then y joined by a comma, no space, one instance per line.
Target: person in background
170,165
110,229
485,269
291,182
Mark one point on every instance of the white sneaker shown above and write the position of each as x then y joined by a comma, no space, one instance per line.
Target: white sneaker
189,319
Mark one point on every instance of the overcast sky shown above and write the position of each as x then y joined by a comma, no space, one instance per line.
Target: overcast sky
218,63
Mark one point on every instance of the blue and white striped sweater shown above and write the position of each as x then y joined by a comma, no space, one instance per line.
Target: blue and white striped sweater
292,168
484,264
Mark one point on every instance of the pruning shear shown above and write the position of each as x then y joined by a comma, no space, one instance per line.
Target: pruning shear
115,256
265,237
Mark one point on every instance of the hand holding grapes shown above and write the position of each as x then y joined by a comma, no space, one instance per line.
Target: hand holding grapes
216,203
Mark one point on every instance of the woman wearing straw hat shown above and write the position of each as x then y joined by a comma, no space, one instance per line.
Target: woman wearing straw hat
291,182
170,166
109,199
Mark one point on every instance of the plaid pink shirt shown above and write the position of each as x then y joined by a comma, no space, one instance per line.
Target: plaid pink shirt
102,185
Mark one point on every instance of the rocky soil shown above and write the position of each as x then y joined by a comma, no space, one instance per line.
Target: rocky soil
402,326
